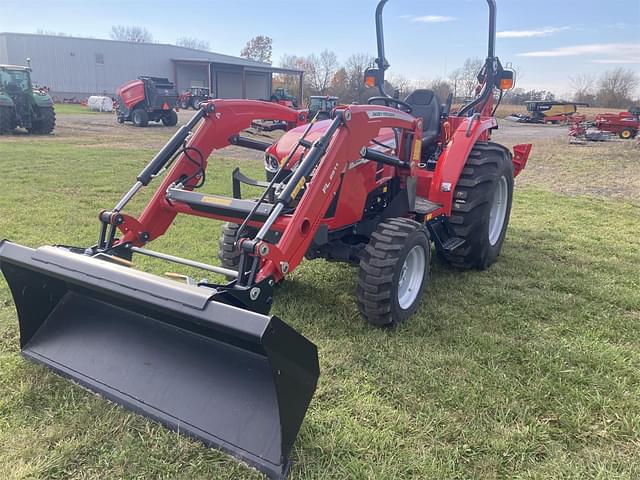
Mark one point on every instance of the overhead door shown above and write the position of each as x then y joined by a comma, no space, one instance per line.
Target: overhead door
229,84
258,86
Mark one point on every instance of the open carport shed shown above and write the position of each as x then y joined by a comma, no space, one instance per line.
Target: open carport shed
227,80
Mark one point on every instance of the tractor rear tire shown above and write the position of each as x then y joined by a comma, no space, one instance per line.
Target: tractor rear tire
228,254
46,123
627,133
7,122
481,206
140,117
394,269
170,119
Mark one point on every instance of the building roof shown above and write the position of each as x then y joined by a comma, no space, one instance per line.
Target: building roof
201,55
252,66
15,67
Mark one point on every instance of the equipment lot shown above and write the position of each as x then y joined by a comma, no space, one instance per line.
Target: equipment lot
528,370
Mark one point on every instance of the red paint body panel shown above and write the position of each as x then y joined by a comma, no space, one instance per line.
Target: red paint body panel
616,122
131,93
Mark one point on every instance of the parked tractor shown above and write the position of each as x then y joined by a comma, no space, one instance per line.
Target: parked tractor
624,124
148,99
282,97
321,106
375,185
21,105
193,97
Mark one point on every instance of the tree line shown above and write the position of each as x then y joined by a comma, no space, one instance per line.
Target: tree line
325,75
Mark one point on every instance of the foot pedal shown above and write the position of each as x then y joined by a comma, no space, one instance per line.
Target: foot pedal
452,243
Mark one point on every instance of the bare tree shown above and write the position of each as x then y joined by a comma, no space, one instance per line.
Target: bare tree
131,33
583,88
355,67
292,62
465,78
616,87
340,86
320,71
442,89
399,86
291,82
190,42
259,48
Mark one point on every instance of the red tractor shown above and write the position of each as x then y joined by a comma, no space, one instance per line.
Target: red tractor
193,97
624,124
148,99
375,185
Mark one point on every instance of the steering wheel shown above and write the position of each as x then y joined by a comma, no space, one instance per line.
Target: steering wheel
388,100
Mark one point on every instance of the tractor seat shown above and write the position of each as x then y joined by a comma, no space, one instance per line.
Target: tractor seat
426,105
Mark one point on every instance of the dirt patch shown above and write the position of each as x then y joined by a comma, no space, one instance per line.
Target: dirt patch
598,169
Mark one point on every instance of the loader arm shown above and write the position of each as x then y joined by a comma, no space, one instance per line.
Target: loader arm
352,130
224,120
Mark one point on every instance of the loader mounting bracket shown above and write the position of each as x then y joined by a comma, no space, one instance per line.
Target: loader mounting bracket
257,297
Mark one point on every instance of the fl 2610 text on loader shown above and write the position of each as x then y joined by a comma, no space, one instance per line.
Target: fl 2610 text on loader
375,185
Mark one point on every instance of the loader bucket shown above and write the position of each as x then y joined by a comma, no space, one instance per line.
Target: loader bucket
234,379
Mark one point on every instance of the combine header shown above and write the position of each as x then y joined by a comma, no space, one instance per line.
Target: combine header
374,185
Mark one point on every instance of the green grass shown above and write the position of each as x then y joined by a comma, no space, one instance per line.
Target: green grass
73,109
530,370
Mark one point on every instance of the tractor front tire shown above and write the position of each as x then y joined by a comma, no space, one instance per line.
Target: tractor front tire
481,206
394,269
627,133
228,253
46,123
140,117
184,104
170,119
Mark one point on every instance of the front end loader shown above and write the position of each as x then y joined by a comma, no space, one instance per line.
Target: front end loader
375,185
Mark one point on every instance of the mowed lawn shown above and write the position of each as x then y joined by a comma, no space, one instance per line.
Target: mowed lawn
529,370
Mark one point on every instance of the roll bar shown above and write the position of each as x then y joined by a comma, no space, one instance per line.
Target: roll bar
490,63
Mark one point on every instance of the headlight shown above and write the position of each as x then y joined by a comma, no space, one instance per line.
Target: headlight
271,163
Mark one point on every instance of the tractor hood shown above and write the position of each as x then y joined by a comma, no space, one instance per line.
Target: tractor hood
42,99
283,146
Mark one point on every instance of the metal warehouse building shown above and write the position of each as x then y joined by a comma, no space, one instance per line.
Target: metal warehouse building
79,67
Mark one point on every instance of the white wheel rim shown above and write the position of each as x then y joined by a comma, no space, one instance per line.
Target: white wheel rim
498,212
411,276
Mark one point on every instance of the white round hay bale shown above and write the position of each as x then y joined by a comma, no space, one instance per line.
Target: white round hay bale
100,104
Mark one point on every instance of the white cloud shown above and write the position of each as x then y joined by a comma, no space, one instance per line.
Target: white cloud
540,32
428,18
604,52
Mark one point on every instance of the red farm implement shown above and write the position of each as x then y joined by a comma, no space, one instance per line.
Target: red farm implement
375,185
624,124
148,99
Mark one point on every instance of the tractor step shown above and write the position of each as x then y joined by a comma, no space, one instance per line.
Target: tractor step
450,244
425,207
218,205
443,235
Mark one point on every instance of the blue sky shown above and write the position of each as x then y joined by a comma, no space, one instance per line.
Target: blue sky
549,40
